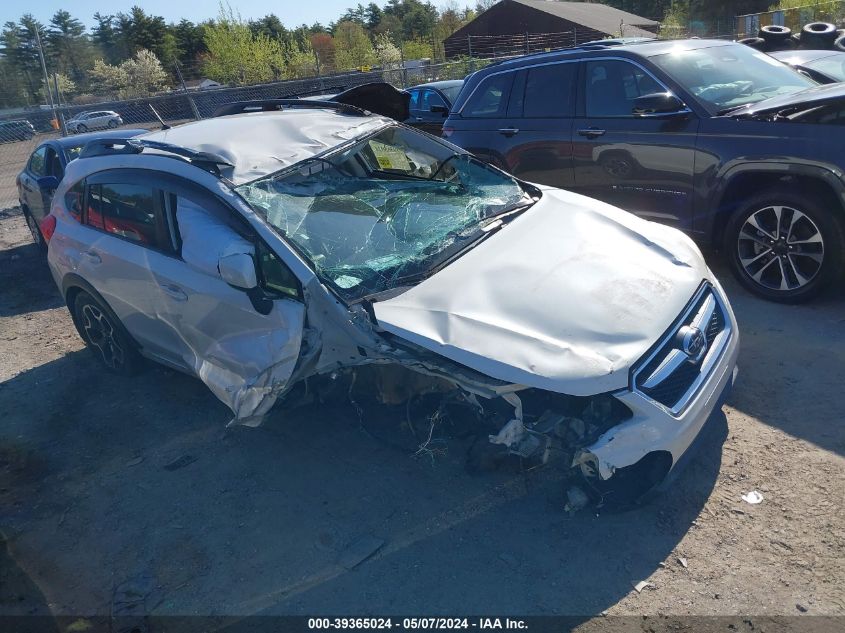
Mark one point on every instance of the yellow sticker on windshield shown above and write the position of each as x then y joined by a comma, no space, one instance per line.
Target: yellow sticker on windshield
390,157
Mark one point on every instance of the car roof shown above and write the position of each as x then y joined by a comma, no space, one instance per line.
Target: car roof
797,57
439,85
256,144
642,48
81,139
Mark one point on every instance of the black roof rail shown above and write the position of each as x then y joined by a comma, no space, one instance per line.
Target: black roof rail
111,146
274,105
594,45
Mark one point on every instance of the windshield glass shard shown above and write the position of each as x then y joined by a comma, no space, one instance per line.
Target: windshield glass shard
389,208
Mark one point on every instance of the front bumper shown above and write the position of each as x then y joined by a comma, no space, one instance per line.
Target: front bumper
653,428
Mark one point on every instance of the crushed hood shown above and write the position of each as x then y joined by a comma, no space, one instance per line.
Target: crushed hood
803,99
566,297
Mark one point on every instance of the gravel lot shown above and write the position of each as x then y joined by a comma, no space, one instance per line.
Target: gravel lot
113,486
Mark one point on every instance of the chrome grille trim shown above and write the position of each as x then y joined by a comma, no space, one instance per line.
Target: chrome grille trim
680,376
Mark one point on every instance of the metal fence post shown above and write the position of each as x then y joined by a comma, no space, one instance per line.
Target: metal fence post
193,105
59,116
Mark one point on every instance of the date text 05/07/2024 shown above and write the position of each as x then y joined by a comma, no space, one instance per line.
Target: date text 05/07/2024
409,624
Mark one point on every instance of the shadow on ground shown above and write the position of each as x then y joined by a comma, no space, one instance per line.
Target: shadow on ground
25,281
791,362
107,481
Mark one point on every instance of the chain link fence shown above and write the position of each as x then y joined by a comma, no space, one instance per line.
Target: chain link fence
832,11
22,131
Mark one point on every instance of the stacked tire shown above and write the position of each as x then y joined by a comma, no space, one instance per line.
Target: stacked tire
815,35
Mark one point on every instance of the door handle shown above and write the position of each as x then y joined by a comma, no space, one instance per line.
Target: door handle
592,132
92,257
174,292
508,131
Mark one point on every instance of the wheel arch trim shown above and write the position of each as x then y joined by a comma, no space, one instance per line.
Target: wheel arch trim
72,284
719,214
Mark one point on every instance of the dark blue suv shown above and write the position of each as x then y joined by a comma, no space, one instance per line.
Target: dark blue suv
712,137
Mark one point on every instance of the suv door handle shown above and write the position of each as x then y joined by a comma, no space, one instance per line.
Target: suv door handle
592,132
173,291
508,131
92,257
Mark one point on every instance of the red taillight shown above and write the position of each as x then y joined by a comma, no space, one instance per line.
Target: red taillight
48,227
447,132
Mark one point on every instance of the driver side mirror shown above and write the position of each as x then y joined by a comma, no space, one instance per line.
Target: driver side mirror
658,104
442,109
48,183
238,270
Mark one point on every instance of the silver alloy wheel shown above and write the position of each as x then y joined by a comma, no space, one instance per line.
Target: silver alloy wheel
780,248
100,333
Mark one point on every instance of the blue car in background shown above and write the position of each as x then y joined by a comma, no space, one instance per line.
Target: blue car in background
45,169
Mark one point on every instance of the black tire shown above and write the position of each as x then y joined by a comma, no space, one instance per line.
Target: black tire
818,35
775,34
754,42
839,44
105,336
787,263
35,231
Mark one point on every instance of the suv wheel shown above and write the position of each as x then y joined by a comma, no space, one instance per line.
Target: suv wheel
104,335
37,238
783,247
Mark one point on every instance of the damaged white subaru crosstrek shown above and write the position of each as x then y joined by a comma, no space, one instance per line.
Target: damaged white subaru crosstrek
286,239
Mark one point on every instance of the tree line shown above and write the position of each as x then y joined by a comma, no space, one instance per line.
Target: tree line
135,53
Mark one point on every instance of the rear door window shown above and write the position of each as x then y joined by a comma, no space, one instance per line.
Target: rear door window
550,91
490,99
131,211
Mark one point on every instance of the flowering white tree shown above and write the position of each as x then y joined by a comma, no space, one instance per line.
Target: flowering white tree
139,76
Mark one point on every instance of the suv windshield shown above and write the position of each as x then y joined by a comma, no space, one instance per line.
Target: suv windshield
387,209
726,77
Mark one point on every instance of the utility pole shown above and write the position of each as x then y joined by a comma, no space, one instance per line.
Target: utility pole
60,118
46,78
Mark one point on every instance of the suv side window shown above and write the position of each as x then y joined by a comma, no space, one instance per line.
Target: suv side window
38,162
549,91
130,211
612,85
490,99
431,98
415,99
73,200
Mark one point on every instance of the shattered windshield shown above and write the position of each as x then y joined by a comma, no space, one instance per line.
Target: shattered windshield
386,210
726,77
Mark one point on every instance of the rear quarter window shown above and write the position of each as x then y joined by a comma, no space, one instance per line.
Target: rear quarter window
73,200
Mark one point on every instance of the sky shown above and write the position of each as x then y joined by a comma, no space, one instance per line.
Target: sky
290,12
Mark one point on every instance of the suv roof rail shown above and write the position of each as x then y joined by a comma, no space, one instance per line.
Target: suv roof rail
274,105
111,146
594,45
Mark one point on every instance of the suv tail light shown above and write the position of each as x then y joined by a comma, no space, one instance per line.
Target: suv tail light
48,227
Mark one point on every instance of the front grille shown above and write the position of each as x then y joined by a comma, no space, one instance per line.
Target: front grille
671,373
